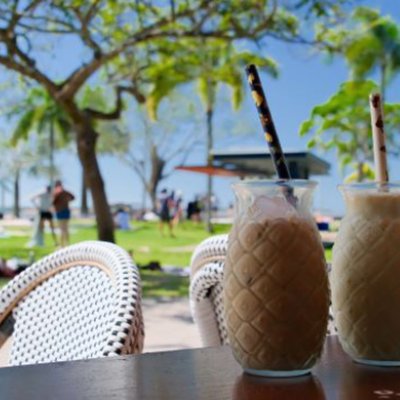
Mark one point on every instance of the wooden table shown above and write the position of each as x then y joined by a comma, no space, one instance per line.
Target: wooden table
209,373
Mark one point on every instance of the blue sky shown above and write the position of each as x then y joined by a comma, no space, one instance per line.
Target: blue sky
305,80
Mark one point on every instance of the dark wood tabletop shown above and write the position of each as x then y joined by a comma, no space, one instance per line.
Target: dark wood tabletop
209,373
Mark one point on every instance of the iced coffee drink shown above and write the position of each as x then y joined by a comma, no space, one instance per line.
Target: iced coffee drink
276,294
366,274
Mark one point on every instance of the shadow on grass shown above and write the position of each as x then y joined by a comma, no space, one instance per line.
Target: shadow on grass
155,284
161,284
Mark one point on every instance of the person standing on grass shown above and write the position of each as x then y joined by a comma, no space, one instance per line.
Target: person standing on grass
61,200
43,201
178,211
164,206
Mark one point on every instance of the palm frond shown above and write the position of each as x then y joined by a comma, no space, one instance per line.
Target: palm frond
23,128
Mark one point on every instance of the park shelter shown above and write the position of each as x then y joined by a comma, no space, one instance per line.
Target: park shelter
257,162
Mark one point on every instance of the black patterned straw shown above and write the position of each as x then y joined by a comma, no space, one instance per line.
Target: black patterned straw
267,123
278,159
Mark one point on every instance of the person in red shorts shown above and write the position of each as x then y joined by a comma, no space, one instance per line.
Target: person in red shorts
61,200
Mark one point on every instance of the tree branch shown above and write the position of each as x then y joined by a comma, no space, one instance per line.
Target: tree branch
27,65
74,82
84,32
185,150
157,29
15,16
30,72
116,113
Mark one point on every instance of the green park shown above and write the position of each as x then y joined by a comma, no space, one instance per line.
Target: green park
145,243
177,174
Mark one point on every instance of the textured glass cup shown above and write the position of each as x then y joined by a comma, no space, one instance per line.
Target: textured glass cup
366,274
276,294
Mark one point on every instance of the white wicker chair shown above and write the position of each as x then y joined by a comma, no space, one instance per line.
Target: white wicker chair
83,301
206,291
207,268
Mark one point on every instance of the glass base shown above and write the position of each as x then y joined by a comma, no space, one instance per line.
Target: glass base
277,374
378,363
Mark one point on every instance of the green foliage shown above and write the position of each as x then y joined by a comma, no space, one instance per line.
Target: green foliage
39,111
367,172
165,77
209,63
23,127
343,123
23,156
93,97
369,42
113,136
36,114
134,35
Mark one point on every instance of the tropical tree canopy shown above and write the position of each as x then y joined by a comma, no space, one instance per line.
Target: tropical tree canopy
107,32
369,42
343,123
36,113
206,63
209,64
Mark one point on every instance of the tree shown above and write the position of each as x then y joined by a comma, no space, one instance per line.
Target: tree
371,43
113,138
210,64
222,64
110,29
23,157
162,144
344,123
39,113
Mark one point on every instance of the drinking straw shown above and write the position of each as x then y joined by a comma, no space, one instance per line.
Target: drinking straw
378,135
267,123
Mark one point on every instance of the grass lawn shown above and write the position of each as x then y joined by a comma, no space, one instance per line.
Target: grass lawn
328,255
145,242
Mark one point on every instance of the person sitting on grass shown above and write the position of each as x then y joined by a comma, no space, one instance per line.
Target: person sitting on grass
121,219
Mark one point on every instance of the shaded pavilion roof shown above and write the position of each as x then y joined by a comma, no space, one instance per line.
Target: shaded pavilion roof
257,162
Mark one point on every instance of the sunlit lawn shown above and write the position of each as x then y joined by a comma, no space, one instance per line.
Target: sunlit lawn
145,242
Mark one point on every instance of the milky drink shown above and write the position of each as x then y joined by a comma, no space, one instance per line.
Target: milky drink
276,294
366,274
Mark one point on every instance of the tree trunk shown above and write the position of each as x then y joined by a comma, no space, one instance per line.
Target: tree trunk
16,194
84,197
86,144
51,154
209,117
86,139
360,171
153,199
3,198
157,168
143,205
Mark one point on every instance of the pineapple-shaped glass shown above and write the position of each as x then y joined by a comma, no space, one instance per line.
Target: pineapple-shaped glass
276,293
366,274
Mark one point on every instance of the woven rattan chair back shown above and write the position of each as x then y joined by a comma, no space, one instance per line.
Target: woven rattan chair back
83,301
207,269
